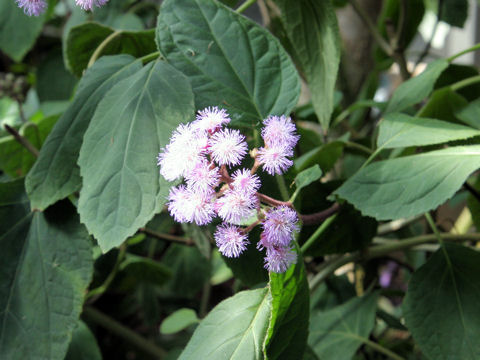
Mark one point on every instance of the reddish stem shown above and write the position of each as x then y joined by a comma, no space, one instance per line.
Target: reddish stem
274,202
319,217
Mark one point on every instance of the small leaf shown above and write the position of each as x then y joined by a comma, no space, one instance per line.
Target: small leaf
416,89
313,32
400,130
235,329
145,270
443,104
84,39
410,185
306,177
441,306
325,156
178,321
235,63
470,114
288,330
83,345
200,237
339,332
46,267
55,174
122,189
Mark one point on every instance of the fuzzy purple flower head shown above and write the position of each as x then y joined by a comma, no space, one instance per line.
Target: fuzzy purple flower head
32,7
89,4
201,153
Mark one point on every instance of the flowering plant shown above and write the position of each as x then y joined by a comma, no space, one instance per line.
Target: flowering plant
282,179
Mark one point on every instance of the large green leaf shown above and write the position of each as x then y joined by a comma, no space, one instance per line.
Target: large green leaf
400,130
339,332
46,267
84,345
416,89
55,174
230,61
122,188
288,330
470,114
410,185
84,39
18,31
313,32
441,306
234,329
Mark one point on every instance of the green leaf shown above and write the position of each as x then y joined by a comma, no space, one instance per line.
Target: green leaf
470,114
313,32
349,231
143,269
416,89
410,185
84,345
308,176
339,332
55,174
122,188
178,321
200,237
235,63
443,104
288,330
84,39
18,31
325,156
190,271
400,130
235,329
454,12
46,268
441,306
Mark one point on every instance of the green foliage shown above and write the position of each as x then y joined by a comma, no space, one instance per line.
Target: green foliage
312,29
234,329
46,268
236,63
121,190
441,304
410,185
83,345
349,324
179,320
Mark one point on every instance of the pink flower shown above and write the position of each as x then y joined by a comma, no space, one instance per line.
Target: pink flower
186,149
231,241
203,177
235,206
244,181
88,4
211,119
228,147
279,227
275,159
279,131
32,7
187,205
279,259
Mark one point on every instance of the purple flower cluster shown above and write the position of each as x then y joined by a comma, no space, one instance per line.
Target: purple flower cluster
38,7
201,153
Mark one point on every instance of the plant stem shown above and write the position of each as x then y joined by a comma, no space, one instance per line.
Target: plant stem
168,237
383,350
317,233
465,82
245,6
95,293
98,51
274,202
22,140
152,56
384,45
282,187
434,31
123,332
396,225
433,226
317,218
356,146
473,48
376,251
472,190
